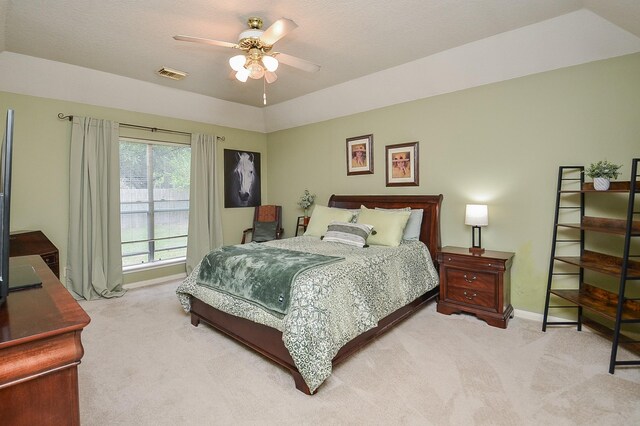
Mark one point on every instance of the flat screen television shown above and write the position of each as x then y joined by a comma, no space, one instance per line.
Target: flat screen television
5,205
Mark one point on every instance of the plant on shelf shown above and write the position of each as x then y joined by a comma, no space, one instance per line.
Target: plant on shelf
601,173
306,201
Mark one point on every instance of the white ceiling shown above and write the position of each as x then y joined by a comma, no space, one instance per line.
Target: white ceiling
349,39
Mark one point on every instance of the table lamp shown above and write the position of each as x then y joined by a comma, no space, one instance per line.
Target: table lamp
476,215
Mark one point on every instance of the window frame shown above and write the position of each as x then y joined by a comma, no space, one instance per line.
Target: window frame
150,213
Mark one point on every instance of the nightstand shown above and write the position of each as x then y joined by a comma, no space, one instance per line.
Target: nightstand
476,284
302,223
25,243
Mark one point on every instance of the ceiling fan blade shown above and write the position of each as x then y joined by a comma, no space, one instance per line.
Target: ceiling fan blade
205,41
277,30
292,61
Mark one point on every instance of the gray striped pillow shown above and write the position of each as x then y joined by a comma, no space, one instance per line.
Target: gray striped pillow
354,234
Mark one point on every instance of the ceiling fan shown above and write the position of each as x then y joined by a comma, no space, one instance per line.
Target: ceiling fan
258,59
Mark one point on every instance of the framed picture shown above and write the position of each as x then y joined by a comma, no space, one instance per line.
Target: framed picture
241,178
402,164
360,155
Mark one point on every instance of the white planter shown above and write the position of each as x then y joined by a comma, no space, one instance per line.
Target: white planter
600,184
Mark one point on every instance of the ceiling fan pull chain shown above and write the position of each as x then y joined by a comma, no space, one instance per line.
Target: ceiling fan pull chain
264,91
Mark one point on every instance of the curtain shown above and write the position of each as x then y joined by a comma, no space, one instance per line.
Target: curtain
205,222
94,256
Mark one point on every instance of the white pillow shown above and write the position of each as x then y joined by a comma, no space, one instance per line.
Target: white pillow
322,216
412,230
388,225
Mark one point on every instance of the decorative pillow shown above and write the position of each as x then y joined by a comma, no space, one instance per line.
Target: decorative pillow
353,234
322,216
412,230
264,231
389,225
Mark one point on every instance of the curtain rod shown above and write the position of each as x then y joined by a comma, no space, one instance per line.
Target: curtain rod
61,116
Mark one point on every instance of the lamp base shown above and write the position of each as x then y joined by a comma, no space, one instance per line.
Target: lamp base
476,250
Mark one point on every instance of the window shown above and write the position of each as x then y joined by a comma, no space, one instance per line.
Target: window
154,200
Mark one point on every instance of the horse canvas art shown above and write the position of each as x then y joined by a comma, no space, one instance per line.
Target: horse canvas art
241,178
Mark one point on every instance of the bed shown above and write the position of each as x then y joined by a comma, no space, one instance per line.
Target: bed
264,333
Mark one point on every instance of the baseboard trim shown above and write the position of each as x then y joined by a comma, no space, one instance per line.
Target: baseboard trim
534,316
154,281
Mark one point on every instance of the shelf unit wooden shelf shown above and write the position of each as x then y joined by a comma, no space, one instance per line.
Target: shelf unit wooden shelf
617,308
618,186
599,301
604,225
603,263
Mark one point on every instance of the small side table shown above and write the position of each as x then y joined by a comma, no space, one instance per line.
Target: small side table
302,223
26,243
476,284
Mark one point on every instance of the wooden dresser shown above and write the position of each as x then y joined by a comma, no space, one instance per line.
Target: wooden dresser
40,349
26,243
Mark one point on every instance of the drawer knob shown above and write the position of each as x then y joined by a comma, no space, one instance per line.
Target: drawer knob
469,297
469,280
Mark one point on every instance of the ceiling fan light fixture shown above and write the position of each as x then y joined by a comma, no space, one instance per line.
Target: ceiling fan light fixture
237,62
270,63
258,60
255,70
242,75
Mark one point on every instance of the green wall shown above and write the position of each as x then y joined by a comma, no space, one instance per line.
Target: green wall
40,191
499,144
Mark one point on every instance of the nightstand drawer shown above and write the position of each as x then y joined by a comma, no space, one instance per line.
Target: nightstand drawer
471,280
472,262
50,259
474,298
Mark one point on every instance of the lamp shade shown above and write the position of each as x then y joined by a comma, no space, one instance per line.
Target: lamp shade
270,63
242,75
476,215
237,62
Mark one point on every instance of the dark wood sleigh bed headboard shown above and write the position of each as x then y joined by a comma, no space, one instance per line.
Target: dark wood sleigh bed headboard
430,204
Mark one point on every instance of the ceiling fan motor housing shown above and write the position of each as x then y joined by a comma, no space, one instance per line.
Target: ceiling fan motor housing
250,39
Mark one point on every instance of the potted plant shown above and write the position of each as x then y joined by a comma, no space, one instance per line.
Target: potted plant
305,202
601,173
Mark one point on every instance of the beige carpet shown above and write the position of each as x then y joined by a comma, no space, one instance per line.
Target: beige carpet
144,364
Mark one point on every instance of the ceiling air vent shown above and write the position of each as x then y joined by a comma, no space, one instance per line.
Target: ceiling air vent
171,73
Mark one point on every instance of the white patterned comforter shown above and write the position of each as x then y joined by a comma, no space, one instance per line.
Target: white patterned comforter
332,304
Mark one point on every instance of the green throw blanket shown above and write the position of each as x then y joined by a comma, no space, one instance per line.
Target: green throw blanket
258,273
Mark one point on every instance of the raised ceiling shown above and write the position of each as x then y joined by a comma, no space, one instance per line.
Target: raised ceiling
349,39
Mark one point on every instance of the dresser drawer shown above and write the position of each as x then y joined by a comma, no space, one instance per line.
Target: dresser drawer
466,279
474,298
478,263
